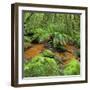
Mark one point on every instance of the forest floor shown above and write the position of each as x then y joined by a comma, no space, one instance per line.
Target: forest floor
38,48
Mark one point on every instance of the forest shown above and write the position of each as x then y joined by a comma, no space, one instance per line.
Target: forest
51,44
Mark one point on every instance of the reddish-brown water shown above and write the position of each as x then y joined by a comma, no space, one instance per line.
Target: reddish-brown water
67,56
33,51
37,48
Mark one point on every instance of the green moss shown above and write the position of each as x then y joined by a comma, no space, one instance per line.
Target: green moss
48,53
41,66
72,68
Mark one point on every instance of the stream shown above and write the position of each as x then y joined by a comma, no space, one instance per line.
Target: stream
38,48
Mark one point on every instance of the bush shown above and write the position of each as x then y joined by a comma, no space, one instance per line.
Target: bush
72,68
41,66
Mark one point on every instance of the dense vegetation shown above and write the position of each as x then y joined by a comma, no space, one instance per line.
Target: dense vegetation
42,65
46,64
55,31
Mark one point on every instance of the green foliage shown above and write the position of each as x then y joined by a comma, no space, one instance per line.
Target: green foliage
72,68
26,45
60,39
27,42
47,64
48,53
41,66
76,40
27,39
40,35
63,28
57,30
